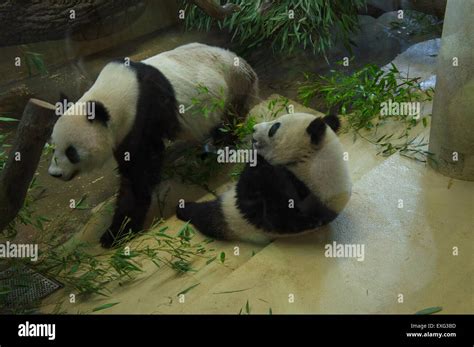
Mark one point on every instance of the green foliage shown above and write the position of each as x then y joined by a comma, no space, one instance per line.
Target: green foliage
274,107
277,105
246,309
34,61
192,166
430,310
7,119
84,273
312,26
359,98
188,289
104,306
239,130
205,103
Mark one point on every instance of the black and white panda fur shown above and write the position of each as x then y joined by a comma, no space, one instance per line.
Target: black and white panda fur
136,109
301,182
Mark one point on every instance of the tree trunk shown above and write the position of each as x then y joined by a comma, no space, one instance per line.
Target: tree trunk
26,21
33,131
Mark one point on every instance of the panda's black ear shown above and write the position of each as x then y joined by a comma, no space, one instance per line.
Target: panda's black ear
333,121
316,130
99,113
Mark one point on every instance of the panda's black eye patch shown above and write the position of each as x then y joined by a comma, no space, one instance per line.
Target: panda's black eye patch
273,129
72,155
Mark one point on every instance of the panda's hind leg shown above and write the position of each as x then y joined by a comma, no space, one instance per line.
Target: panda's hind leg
205,216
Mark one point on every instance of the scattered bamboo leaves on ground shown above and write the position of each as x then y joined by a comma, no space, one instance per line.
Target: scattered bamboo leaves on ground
81,205
232,291
83,273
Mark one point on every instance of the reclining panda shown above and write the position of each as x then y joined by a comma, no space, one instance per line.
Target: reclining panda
136,106
301,182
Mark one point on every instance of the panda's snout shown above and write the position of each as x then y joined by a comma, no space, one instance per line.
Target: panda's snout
256,144
56,172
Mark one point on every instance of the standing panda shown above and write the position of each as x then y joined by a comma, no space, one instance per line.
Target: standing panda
134,106
301,182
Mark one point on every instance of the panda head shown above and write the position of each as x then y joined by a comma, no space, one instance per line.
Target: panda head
294,138
81,140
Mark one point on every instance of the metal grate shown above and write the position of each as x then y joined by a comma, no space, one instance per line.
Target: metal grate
26,286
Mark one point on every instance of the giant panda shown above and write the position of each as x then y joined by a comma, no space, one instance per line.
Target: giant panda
301,182
135,107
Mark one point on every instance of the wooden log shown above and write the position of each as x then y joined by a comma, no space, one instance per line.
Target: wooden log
33,131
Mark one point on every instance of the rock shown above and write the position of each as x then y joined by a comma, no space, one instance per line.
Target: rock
374,40
419,60
433,7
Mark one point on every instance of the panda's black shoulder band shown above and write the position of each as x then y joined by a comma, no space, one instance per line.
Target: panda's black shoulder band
98,112
157,103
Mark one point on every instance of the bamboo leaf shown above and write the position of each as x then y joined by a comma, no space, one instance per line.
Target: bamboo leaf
105,306
430,310
188,289
7,119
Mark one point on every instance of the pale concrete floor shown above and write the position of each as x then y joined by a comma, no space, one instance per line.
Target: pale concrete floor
408,251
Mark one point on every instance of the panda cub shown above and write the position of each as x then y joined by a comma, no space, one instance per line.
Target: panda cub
134,106
300,182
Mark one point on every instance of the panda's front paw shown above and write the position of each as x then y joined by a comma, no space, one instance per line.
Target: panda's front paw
107,239
184,213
